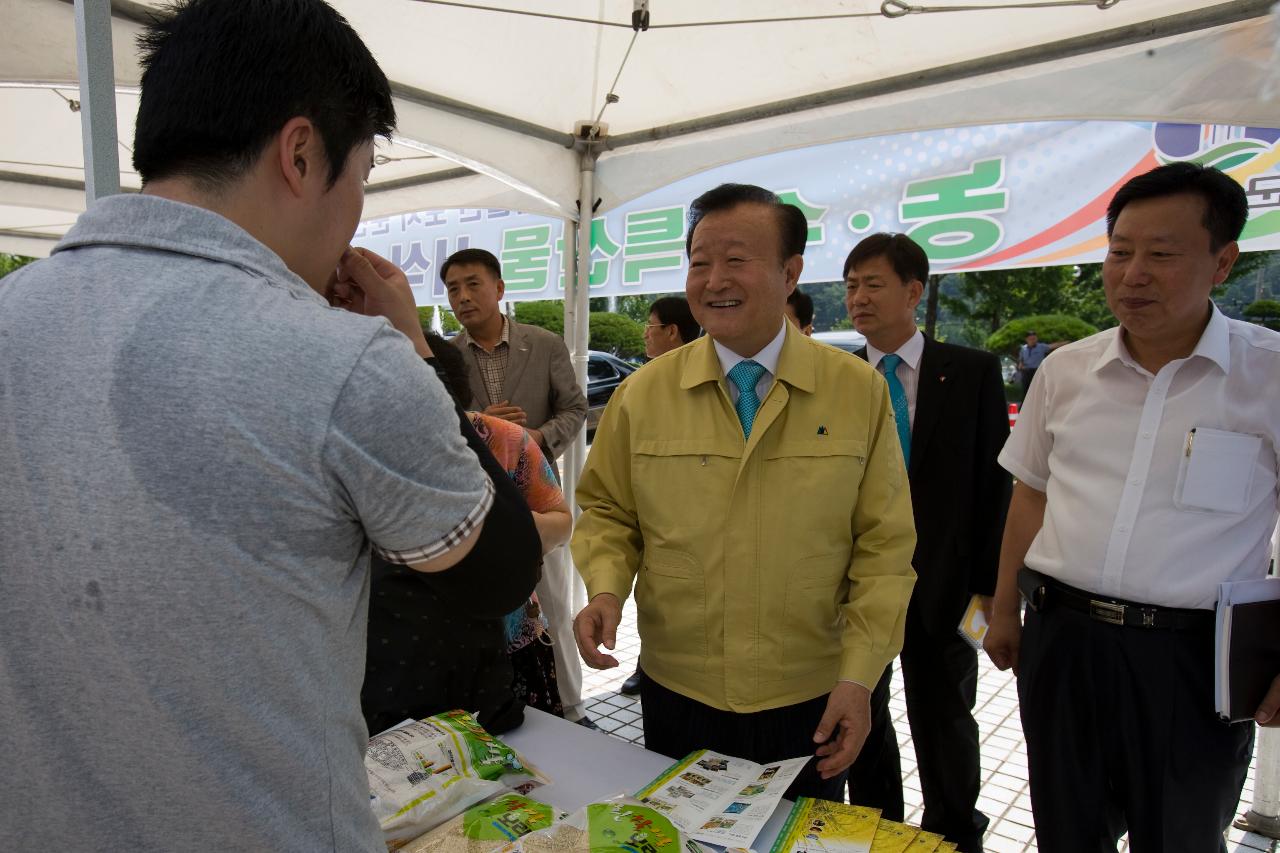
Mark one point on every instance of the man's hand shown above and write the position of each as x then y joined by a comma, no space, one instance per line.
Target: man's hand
987,602
1004,636
849,708
367,283
1269,711
508,412
597,625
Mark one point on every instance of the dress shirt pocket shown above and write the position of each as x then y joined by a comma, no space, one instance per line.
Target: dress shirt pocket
1216,472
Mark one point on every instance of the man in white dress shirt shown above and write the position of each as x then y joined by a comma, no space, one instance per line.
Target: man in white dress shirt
1146,460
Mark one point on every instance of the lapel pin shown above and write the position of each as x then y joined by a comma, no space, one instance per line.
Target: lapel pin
942,379
822,430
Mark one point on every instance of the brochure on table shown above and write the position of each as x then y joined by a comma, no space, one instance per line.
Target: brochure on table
718,799
819,826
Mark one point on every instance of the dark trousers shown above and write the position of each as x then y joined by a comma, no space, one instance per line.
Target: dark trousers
940,677
1122,736
875,779
1027,374
675,725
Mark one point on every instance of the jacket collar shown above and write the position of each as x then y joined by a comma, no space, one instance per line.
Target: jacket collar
796,364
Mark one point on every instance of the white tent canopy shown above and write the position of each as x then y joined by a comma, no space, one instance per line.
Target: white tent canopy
488,100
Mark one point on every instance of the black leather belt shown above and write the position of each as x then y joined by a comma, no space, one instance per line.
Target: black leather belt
1043,593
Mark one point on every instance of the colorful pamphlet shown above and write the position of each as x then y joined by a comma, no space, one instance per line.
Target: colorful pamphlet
718,799
821,826
928,842
893,837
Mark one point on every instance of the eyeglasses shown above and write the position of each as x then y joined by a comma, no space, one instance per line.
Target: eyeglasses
657,325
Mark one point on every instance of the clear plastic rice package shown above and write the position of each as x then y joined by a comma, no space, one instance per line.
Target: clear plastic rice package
487,827
619,825
423,773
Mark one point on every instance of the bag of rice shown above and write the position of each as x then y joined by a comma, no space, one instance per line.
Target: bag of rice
423,773
621,825
486,828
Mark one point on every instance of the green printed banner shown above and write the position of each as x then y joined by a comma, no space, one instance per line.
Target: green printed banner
987,197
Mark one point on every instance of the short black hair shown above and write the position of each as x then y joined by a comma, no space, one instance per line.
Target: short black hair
454,366
472,256
674,310
793,228
802,304
1226,207
905,255
220,77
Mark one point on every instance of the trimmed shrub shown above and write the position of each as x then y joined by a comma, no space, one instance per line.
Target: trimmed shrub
544,313
1050,328
616,334
1264,312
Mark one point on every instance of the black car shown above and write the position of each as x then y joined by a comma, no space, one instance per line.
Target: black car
605,373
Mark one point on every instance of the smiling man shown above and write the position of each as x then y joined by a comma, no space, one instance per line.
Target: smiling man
1146,460
751,488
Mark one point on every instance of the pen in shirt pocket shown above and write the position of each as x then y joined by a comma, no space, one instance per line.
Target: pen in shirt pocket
1191,436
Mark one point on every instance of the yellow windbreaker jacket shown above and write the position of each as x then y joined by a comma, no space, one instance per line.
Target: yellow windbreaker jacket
765,570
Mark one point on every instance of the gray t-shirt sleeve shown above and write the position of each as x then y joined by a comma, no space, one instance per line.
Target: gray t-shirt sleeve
398,459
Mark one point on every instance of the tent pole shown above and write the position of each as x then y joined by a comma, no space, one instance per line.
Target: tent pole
576,311
569,464
97,99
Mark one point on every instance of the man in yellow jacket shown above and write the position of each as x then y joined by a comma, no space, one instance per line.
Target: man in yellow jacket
751,486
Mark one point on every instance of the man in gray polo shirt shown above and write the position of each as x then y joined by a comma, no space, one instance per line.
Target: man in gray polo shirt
198,452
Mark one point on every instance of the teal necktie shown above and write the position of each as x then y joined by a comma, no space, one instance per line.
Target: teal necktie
745,375
898,398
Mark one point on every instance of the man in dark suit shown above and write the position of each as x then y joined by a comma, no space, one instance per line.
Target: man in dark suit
523,374
949,408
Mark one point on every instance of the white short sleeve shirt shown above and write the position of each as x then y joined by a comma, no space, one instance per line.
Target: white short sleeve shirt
1159,487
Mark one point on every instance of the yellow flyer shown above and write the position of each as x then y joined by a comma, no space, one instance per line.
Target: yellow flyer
927,842
821,826
973,625
892,837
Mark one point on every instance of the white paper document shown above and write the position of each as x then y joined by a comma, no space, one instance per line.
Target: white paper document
718,799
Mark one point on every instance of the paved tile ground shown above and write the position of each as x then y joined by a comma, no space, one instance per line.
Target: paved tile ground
1005,798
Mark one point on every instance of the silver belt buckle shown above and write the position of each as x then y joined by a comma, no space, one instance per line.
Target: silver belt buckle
1105,611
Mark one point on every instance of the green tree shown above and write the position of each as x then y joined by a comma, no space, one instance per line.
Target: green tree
828,305
617,334
1252,278
9,263
544,313
1084,297
637,307
1050,328
984,301
1264,312
447,320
